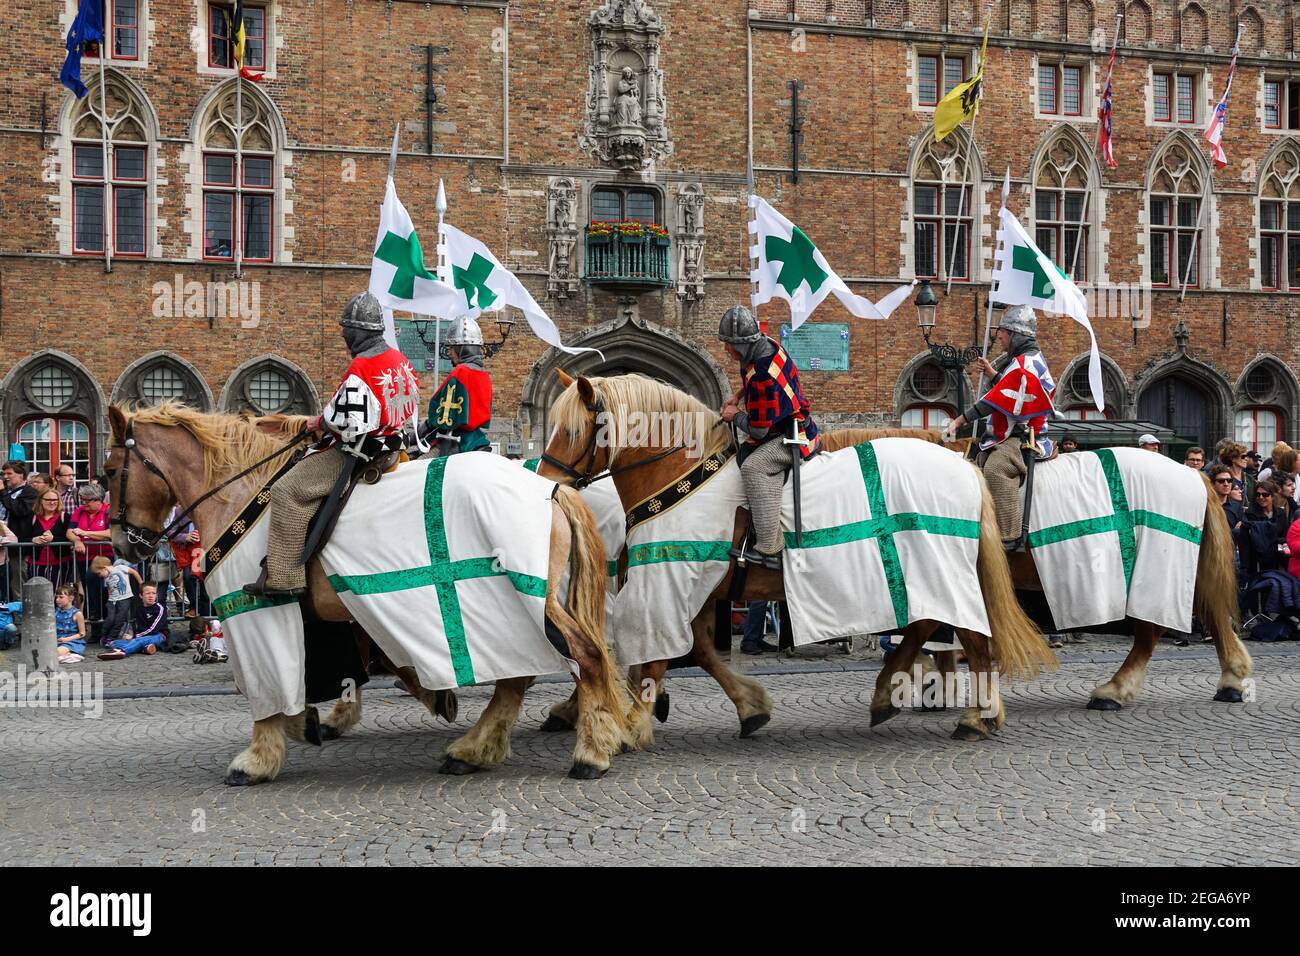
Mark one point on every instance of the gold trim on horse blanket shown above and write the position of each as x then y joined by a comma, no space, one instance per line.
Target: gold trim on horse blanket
677,490
214,555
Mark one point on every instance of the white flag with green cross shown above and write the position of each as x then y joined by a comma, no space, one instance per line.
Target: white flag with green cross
483,284
399,277
1024,275
787,265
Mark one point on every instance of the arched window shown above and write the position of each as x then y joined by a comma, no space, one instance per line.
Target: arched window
1176,191
1063,186
158,378
1258,428
269,386
50,404
943,197
110,194
238,145
1279,220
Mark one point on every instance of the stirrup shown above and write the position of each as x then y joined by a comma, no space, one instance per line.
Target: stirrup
258,588
1011,545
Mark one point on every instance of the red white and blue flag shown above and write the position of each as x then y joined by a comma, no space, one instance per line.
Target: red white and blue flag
1105,137
1214,132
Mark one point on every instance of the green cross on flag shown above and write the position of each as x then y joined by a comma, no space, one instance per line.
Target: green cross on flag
788,265
472,280
1025,260
399,278
797,263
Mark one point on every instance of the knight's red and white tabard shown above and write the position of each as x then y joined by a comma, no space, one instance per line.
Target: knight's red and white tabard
1023,393
378,396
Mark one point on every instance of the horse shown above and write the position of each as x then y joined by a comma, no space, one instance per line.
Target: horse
575,454
166,442
1215,603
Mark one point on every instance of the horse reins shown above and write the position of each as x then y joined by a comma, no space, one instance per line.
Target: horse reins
581,479
147,537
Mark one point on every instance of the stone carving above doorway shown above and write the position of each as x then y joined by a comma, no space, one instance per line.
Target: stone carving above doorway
625,123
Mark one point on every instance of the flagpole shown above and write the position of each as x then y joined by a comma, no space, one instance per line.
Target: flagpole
1205,200
103,145
961,195
1096,144
441,206
239,171
988,310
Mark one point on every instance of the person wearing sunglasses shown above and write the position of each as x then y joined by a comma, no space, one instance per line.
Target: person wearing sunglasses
1222,481
1263,538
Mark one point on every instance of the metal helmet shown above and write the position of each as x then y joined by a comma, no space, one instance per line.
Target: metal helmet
465,332
1020,318
739,326
363,311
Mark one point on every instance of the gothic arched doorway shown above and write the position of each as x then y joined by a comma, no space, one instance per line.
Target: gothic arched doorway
1180,404
628,346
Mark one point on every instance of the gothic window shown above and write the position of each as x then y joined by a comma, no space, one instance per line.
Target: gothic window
1176,191
1258,428
110,201
942,200
159,378
1062,205
270,387
935,417
1279,221
238,177
50,405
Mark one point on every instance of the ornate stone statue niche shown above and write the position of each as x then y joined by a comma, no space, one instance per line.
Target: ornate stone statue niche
561,237
690,242
625,123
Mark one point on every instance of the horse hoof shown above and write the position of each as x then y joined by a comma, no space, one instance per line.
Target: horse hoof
445,705
311,730
752,723
457,768
1104,703
880,716
1228,695
555,725
237,778
328,732
992,724
584,771
661,708
967,733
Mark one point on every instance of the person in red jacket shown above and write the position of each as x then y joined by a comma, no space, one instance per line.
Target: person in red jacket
1293,548
379,394
461,410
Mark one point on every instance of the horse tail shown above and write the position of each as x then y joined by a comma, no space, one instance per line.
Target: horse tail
1017,644
1215,600
588,581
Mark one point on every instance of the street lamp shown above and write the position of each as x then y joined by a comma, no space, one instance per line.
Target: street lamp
950,358
427,330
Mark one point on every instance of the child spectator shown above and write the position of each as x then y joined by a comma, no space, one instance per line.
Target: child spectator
150,632
69,626
8,629
117,575
208,642
151,620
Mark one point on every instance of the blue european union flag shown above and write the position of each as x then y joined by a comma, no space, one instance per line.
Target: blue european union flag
87,28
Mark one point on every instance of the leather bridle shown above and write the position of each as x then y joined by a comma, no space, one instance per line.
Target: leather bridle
139,536
581,479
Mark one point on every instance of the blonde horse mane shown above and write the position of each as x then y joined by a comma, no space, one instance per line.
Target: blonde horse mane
230,443
625,394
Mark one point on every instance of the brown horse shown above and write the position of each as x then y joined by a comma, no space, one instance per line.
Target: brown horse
642,470
1215,604
177,454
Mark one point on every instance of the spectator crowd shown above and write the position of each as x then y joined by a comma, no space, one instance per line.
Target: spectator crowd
52,527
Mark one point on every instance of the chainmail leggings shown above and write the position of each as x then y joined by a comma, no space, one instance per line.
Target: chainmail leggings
294,499
1004,467
763,475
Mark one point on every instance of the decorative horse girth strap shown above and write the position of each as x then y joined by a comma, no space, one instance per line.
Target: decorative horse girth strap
247,518
678,490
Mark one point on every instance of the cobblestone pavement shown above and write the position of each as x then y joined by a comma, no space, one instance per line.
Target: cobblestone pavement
1174,779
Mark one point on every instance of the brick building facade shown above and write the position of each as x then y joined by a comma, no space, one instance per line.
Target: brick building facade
545,114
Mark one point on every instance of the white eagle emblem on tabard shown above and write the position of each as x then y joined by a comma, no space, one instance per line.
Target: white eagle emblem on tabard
400,390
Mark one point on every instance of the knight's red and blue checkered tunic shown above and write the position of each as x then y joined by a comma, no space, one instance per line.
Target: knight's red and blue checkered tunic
773,396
